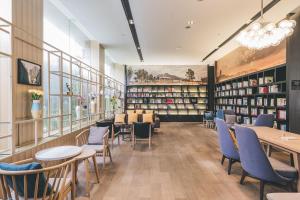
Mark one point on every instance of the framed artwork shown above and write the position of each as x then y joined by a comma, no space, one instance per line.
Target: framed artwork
29,73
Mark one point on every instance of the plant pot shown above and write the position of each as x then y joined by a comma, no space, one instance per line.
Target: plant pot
93,107
36,111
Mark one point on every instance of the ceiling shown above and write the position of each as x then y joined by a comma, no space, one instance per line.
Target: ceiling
160,26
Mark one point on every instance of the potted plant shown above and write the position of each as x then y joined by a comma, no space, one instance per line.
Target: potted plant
114,103
36,110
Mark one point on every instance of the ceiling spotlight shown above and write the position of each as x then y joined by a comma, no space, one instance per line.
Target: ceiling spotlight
131,21
138,47
188,27
191,22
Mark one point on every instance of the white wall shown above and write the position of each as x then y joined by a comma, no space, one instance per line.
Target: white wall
5,9
63,34
114,70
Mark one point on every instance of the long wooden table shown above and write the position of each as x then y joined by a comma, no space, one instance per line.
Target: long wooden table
279,139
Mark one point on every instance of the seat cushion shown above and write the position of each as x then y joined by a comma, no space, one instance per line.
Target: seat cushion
97,148
31,178
230,119
148,118
283,196
283,169
96,134
120,118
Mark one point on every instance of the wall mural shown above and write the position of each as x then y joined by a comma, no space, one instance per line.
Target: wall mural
243,61
149,75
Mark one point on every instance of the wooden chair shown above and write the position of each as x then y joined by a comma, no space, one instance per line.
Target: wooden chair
56,176
142,132
101,149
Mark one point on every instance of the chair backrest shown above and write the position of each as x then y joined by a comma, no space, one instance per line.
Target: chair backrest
225,141
82,138
142,130
229,112
265,120
252,156
208,115
220,114
27,184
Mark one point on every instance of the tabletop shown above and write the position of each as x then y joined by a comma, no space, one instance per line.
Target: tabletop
284,139
58,153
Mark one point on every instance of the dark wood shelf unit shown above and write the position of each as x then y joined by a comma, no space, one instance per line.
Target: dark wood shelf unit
256,93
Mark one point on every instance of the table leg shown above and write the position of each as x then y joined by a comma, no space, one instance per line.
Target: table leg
74,172
297,166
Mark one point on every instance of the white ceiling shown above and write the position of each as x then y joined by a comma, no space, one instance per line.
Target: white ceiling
160,27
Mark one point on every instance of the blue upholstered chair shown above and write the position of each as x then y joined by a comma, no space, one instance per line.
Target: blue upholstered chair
208,119
226,144
256,164
220,114
265,120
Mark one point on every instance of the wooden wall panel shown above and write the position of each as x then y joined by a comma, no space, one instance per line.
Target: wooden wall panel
28,18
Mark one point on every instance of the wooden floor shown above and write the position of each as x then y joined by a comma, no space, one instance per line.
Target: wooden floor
183,164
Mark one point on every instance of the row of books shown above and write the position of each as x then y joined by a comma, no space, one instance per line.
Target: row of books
247,83
167,106
258,101
168,89
179,112
167,100
177,95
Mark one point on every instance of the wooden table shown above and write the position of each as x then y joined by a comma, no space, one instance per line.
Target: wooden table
286,141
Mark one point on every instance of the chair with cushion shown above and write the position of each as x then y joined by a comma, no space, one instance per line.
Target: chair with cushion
265,120
95,138
139,112
30,180
208,119
141,132
227,146
230,120
283,196
114,129
130,111
256,164
220,114
132,118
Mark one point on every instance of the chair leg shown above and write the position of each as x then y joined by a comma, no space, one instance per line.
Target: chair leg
87,175
104,155
261,190
223,158
229,165
96,169
109,154
244,174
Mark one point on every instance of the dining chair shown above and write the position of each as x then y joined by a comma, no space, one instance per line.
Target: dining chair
220,114
141,132
227,146
114,129
208,119
256,164
102,149
265,120
29,180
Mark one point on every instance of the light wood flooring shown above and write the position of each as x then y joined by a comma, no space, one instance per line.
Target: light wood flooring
183,164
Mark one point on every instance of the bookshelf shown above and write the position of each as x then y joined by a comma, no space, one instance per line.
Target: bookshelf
263,92
169,102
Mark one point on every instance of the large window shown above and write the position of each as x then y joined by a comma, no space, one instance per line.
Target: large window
5,77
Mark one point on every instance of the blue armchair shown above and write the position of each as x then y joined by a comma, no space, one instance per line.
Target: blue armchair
265,120
256,164
226,144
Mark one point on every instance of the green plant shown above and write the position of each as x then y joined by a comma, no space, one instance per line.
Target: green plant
36,94
114,102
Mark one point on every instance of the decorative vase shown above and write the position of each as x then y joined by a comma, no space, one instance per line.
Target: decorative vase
36,111
93,106
77,111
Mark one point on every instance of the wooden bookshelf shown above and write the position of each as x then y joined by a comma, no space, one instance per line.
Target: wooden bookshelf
169,102
263,92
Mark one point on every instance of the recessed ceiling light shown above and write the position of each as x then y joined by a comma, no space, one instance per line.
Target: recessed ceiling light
131,21
188,27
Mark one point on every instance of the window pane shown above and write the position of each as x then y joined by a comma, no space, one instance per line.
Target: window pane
54,105
75,70
54,62
66,80
66,105
76,87
66,124
54,126
66,66
54,84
